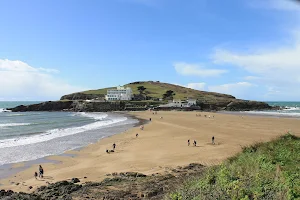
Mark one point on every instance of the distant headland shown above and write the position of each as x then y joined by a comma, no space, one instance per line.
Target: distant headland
142,95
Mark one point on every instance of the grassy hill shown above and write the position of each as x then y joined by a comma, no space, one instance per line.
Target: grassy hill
153,90
262,171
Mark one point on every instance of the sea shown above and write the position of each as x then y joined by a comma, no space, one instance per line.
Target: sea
26,136
288,109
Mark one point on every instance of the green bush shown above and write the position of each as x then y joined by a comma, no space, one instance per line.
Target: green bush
261,171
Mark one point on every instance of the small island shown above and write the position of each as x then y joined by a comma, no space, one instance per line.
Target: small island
143,95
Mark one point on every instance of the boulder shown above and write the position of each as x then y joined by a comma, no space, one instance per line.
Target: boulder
75,180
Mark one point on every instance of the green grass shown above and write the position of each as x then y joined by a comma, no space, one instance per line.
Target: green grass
262,171
157,89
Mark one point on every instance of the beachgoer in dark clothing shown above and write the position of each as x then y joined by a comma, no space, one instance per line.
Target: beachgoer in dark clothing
114,146
41,170
35,175
107,151
188,142
213,140
136,135
195,143
150,119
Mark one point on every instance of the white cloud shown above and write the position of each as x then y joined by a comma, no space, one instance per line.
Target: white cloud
276,68
187,69
284,5
196,86
239,90
18,80
263,61
8,65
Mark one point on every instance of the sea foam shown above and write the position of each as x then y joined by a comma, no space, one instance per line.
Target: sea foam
4,110
100,121
280,113
14,124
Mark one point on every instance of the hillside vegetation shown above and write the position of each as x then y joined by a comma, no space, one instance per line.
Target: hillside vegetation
262,171
153,90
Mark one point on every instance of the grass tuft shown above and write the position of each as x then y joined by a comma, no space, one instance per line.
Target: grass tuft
261,171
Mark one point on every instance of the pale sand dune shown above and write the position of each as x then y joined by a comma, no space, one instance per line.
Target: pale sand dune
161,145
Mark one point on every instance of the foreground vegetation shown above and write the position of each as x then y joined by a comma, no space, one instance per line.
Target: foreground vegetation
262,171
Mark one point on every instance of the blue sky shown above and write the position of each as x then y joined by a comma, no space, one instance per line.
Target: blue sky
247,48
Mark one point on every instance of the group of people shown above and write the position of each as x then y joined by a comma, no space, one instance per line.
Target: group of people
195,142
199,115
113,150
41,173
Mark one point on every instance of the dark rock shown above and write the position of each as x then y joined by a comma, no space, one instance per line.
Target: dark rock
82,96
71,106
242,105
30,187
193,166
75,180
41,188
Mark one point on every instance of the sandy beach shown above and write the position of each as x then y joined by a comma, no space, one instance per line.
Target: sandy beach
160,146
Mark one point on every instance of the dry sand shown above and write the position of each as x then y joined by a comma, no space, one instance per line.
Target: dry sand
161,145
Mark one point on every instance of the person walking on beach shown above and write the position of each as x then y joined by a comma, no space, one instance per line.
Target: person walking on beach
114,146
41,170
136,135
195,143
188,142
35,175
150,119
213,140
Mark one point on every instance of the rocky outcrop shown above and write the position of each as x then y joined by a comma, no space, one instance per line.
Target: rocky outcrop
241,105
121,186
233,105
76,106
44,106
100,106
82,96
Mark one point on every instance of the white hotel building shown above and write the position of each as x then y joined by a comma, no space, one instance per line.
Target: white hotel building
121,93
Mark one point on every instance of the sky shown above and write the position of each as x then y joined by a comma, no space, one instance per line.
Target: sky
246,48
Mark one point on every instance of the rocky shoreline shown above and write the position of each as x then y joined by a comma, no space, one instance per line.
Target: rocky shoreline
121,186
99,106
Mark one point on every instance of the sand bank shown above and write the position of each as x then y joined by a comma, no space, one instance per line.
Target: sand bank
161,145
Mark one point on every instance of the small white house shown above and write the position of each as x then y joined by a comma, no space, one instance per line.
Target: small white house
191,102
177,103
120,93
180,103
